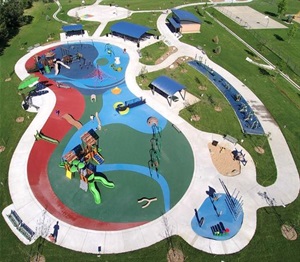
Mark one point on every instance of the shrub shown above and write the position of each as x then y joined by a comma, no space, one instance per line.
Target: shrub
216,39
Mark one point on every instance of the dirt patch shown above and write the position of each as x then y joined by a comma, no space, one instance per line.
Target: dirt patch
195,118
259,150
289,232
171,50
175,255
2,148
38,258
223,160
202,88
20,119
218,108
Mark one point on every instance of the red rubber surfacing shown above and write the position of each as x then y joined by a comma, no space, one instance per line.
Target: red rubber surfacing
41,152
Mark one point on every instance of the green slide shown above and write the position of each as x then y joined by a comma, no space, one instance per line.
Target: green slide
104,182
95,192
92,187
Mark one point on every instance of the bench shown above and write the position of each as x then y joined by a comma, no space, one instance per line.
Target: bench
26,231
230,139
14,218
135,102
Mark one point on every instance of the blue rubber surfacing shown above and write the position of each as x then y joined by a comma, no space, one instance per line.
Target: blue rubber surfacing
247,118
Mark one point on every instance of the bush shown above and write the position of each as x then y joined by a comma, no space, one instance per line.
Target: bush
217,50
216,39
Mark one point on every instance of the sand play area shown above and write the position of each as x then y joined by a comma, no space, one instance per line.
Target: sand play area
223,160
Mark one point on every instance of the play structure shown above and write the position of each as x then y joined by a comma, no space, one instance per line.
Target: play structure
45,62
147,201
41,136
109,50
82,160
123,108
249,122
220,215
155,142
238,155
70,119
38,91
98,75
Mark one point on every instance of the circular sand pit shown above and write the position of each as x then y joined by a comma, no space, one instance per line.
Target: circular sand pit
289,232
223,161
20,119
259,150
2,148
195,118
175,255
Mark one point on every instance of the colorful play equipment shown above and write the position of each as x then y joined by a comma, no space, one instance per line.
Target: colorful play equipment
234,205
92,179
116,90
108,49
70,119
219,229
123,108
147,200
82,160
41,136
238,155
116,68
155,142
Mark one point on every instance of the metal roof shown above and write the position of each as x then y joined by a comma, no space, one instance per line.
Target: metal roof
174,23
129,29
183,15
167,85
68,28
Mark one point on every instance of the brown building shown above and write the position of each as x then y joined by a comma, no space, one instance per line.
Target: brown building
184,22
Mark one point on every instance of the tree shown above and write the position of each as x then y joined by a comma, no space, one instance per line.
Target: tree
292,32
281,7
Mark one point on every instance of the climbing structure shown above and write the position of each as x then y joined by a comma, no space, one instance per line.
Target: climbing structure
82,160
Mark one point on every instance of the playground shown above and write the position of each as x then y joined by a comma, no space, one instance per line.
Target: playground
117,167
112,171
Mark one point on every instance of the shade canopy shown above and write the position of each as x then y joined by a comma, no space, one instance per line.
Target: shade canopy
168,86
70,28
129,29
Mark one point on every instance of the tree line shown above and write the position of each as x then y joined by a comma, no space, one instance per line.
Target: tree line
12,17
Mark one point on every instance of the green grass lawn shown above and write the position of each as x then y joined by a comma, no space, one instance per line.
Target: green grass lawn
279,97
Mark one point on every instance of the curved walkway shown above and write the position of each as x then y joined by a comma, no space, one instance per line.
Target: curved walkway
284,190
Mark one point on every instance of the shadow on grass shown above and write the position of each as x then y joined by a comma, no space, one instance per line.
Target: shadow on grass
263,72
208,22
270,14
278,37
250,53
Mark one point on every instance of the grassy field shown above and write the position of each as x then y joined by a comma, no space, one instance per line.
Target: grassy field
282,101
